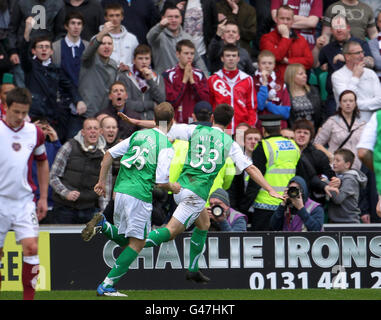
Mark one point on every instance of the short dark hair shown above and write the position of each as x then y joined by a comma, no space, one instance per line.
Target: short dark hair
142,49
272,130
169,5
304,124
229,47
113,6
348,155
74,15
19,95
115,83
163,112
184,43
223,114
41,39
203,115
284,7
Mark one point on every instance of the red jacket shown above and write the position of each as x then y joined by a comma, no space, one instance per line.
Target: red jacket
295,50
182,96
240,95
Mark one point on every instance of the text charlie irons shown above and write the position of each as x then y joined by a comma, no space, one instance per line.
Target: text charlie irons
252,252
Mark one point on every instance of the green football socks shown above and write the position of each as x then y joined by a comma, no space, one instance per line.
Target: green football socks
121,266
157,237
196,246
111,233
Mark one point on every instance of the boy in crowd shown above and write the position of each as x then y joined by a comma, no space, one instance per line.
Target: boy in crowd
228,33
272,94
234,87
44,79
67,53
145,88
184,84
344,206
124,41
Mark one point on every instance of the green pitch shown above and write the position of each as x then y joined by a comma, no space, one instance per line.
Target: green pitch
227,294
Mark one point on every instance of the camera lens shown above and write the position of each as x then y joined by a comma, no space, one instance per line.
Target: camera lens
293,192
217,211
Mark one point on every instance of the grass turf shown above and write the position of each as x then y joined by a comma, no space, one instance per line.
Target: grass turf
226,294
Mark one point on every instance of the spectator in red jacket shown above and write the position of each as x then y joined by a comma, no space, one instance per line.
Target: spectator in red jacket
233,86
184,84
285,44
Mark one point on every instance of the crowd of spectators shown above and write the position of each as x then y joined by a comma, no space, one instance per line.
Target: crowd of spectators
314,63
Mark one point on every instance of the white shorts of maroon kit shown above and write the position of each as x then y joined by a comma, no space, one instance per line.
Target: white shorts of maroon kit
18,216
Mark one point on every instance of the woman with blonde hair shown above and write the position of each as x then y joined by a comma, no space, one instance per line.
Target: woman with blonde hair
305,99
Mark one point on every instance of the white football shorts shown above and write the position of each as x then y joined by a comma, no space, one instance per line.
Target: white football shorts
19,217
133,216
189,207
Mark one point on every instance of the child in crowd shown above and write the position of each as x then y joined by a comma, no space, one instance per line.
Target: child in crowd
272,94
344,206
47,82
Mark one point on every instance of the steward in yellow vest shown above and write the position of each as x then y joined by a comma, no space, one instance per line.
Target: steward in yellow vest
277,158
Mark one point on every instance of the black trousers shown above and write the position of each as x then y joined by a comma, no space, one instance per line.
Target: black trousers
261,220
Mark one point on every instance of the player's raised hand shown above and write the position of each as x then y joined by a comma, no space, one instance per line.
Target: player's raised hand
175,187
275,194
126,119
100,189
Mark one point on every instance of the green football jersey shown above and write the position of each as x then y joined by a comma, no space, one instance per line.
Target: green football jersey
137,173
208,150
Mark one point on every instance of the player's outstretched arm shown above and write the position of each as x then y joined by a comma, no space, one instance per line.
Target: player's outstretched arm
137,122
100,187
258,177
173,187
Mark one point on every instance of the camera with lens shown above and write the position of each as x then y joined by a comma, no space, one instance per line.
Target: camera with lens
293,192
217,211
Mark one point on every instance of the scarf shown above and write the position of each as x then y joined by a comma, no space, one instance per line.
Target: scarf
140,79
271,86
230,74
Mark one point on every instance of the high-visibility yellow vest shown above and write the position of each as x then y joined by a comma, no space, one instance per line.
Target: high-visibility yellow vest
282,157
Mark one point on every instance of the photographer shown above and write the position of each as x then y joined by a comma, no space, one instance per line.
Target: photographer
297,212
222,216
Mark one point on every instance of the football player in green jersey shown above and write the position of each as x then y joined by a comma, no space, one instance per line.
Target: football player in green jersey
146,156
209,148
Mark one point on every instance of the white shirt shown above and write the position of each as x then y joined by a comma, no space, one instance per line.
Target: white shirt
124,46
72,45
367,89
18,149
369,134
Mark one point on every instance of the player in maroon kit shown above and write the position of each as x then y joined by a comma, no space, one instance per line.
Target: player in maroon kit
21,142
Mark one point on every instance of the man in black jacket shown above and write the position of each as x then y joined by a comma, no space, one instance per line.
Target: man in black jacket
44,80
321,178
117,103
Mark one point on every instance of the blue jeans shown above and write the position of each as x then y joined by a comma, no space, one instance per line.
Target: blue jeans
66,215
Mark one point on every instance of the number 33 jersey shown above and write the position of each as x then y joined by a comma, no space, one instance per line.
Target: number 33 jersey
208,149
146,157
